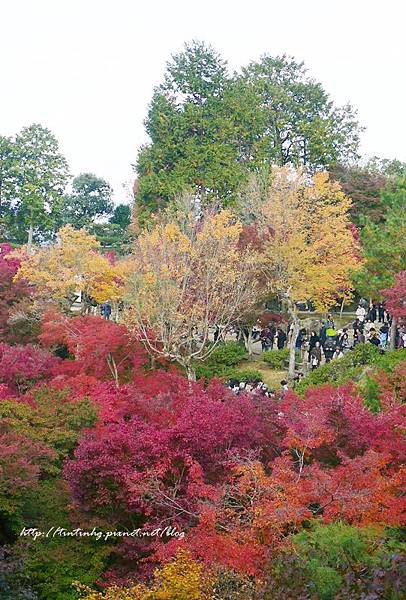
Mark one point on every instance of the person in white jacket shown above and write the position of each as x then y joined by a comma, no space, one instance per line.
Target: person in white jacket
361,312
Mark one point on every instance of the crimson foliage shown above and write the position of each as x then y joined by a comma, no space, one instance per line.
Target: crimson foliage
11,292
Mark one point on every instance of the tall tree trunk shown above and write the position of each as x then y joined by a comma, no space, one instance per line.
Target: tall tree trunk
247,341
191,373
342,308
30,236
292,341
393,334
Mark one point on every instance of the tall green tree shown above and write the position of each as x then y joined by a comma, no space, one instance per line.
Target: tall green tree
40,183
384,246
90,200
191,147
8,175
210,130
115,234
302,124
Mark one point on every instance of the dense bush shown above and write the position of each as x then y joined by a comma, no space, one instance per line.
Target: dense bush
222,361
350,366
23,366
251,375
276,359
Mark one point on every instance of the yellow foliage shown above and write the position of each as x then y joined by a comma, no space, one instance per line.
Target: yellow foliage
180,579
184,279
73,264
310,251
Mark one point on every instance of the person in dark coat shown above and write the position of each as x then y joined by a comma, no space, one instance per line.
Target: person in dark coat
312,341
315,355
357,326
381,312
300,339
323,333
281,338
359,337
266,339
329,348
372,313
105,310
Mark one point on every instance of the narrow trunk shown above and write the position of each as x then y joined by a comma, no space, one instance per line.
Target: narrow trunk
342,308
191,373
393,334
248,342
292,342
113,368
30,236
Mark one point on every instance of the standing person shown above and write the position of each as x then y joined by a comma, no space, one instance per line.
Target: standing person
323,333
344,341
265,339
105,310
372,313
384,335
381,312
272,333
361,312
315,356
329,348
312,341
300,339
281,338
401,337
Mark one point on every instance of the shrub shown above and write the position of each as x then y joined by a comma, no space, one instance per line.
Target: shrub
276,358
337,372
229,353
221,362
341,559
251,375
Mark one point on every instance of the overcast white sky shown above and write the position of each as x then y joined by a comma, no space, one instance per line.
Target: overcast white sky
86,69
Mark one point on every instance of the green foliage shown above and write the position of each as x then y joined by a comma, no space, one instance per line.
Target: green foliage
384,244
53,564
351,366
302,126
37,176
90,199
121,216
210,130
54,422
8,183
251,375
340,371
222,361
370,392
330,552
115,234
276,359
388,361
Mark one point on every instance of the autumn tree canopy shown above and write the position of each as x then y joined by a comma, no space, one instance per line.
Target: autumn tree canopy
309,249
188,275
72,265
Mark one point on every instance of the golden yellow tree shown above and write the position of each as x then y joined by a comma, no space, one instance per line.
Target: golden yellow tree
189,274
180,579
73,264
310,249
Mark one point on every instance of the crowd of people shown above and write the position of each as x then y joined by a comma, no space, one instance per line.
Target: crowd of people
372,324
